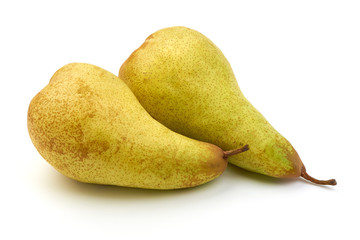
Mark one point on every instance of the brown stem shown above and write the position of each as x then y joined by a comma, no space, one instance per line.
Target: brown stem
235,151
311,179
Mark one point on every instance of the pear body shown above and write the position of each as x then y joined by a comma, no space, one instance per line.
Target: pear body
89,126
184,81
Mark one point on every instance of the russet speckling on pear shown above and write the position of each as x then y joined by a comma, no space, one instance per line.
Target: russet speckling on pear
90,127
185,82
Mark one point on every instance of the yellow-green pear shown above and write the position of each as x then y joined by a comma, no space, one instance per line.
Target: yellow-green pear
184,81
89,126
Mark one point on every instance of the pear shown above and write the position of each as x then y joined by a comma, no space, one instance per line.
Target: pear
90,127
185,82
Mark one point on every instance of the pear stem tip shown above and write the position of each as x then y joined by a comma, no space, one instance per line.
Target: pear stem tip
235,151
314,180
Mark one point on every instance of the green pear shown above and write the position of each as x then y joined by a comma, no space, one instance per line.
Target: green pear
90,127
184,81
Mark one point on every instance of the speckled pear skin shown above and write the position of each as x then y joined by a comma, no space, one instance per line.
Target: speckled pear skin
184,81
89,126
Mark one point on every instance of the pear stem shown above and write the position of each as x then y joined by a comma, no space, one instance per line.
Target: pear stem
235,151
314,180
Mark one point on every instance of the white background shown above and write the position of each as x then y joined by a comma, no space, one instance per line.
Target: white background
298,62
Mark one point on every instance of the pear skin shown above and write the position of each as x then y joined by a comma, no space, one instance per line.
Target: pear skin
90,127
185,82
